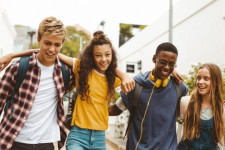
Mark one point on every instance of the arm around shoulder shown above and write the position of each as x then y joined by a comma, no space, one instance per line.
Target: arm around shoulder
184,105
127,82
66,59
5,60
117,108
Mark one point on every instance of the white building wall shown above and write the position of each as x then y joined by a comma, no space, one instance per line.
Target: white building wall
7,35
198,33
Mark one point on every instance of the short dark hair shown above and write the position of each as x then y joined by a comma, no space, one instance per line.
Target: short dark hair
166,47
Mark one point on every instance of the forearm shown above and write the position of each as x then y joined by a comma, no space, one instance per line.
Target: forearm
127,83
66,59
5,60
118,108
22,53
114,110
120,74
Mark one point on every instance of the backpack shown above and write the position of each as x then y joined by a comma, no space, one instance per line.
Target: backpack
22,70
137,92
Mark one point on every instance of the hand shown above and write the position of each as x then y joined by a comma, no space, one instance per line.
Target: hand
178,77
4,61
36,50
127,84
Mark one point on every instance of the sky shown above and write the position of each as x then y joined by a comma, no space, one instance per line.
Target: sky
87,13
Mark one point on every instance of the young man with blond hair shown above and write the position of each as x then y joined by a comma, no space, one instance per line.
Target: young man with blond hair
38,117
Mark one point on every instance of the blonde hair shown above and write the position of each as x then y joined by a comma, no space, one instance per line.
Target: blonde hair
192,116
53,26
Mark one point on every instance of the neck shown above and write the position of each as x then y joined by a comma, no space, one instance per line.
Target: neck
206,101
43,61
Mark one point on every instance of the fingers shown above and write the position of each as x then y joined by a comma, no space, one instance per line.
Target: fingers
180,79
128,86
124,88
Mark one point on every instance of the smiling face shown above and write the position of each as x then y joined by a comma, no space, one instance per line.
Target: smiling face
164,64
203,82
50,46
102,55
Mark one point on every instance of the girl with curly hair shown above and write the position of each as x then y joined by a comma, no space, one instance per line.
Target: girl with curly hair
95,76
203,111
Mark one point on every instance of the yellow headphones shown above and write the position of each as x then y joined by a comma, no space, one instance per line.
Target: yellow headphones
159,82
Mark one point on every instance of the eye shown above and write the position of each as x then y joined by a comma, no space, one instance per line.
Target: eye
198,78
47,43
57,45
163,62
207,78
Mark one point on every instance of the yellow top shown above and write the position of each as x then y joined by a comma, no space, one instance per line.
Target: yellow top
93,114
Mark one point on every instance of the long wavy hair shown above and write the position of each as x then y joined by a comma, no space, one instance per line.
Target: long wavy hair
87,64
192,116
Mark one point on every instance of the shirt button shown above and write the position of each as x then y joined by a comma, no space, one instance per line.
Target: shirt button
16,132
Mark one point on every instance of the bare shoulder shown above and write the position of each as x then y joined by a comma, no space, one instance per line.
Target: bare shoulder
185,99
184,104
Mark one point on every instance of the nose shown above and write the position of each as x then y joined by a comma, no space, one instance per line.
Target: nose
167,66
103,58
52,48
201,81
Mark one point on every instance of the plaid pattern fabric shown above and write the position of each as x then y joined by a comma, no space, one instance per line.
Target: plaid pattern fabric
23,100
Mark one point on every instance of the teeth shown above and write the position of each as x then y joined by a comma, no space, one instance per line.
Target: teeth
202,87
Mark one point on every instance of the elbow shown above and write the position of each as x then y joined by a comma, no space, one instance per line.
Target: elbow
114,110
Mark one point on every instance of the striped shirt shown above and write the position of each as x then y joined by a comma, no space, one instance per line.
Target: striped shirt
24,98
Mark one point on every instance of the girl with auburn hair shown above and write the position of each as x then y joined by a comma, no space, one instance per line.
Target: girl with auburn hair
203,111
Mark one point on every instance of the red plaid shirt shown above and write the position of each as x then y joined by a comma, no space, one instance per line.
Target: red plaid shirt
23,100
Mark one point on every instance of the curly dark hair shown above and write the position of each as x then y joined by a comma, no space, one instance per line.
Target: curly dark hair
87,63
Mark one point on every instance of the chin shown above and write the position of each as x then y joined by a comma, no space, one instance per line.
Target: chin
163,77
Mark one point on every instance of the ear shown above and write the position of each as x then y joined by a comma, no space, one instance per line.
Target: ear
154,59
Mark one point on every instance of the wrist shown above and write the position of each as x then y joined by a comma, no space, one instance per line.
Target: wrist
11,55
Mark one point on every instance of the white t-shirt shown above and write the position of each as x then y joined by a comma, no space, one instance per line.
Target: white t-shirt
41,125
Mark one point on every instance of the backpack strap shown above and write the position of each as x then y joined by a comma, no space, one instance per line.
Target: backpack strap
22,70
179,91
66,75
137,92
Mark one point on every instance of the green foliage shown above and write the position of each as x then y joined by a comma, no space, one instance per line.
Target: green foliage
71,45
126,30
116,96
35,46
142,27
190,79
